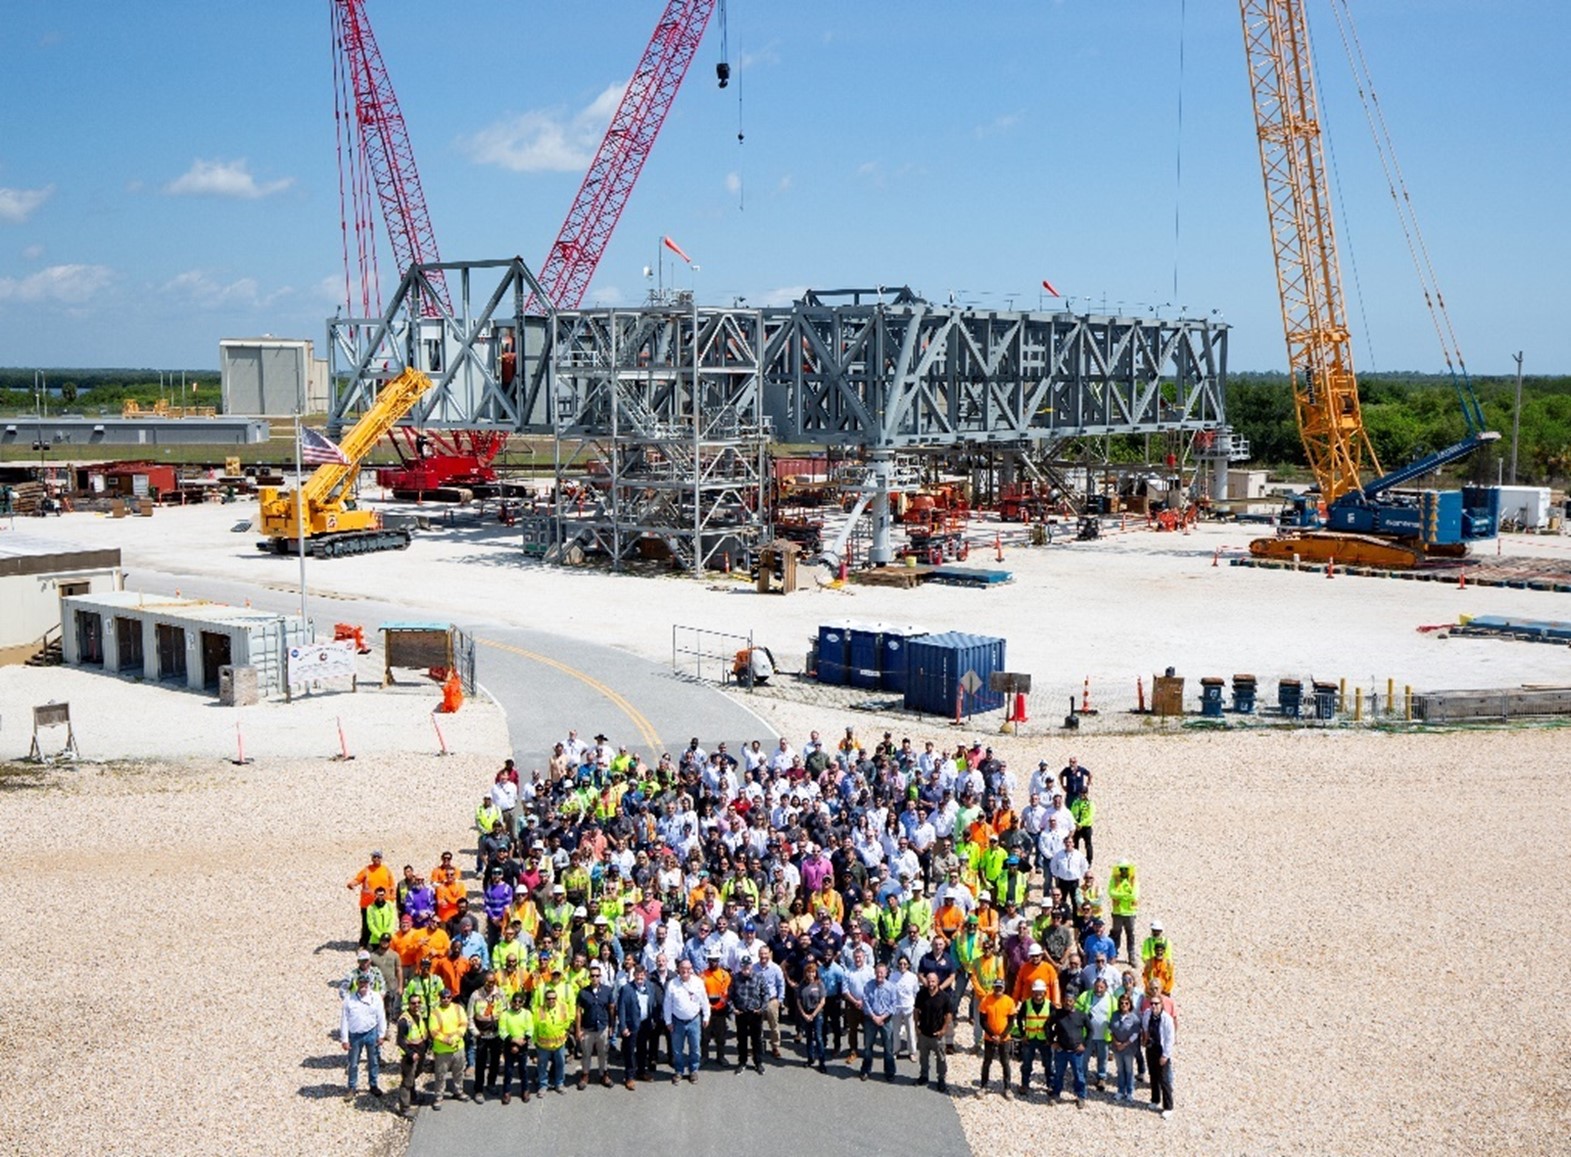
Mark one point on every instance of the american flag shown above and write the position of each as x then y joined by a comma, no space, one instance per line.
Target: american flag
318,450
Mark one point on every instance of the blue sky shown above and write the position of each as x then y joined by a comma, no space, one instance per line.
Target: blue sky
168,174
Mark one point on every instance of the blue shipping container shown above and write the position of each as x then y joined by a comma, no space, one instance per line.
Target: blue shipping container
863,665
893,654
940,667
834,653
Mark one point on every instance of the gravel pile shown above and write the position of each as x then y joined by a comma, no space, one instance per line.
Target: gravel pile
181,928
1369,934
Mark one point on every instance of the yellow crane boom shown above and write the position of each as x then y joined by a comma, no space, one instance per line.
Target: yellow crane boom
331,523
1309,279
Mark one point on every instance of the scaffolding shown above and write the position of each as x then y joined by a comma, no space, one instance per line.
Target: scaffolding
658,423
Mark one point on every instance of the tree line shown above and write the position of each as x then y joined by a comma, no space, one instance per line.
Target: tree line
92,390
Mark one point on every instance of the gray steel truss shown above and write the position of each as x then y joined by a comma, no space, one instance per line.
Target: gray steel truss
667,409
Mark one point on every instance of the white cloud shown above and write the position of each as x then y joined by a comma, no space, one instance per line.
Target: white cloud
544,141
32,253
733,182
784,185
780,295
199,289
17,205
67,284
223,179
997,126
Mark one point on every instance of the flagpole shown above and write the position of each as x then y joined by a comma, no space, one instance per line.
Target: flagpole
300,524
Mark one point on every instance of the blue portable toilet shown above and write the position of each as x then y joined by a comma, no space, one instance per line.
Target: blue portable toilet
893,652
940,668
863,665
834,653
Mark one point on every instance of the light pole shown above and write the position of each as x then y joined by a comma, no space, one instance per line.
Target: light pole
1516,414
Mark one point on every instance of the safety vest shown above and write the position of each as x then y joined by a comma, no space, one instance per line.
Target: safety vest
1089,999
576,880
487,816
516,1025
1083,810
515,980
564,997
1124,891
381,920
967,946
993,863
447,1022
1034,1016
414,1032
426,988
890,923
920,913
1092,895
551,1025
717,983
1148,947
559,916
1011,888
987,970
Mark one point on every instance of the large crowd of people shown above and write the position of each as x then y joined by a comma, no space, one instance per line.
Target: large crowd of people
633,921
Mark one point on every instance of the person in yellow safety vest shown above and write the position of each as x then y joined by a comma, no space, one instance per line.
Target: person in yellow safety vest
1149,944
1036,1013
518,979
1084,813
510,951
1091,894
612,902
448,1024
919,912
1012,884
516,1028
741,888
553,1022
890,924
1100,1005
1123,891
989,967
550,978
487,817
576,879
621,761
993,861
559,913
827,897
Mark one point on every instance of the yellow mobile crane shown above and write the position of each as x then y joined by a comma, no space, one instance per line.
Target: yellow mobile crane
1355,521
330,521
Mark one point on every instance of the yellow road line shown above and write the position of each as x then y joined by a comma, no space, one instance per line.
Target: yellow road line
639,720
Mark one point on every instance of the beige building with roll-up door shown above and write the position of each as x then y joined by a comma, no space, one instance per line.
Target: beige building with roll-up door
182,642
35,574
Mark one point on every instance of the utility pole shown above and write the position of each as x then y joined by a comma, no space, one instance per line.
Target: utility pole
1516,414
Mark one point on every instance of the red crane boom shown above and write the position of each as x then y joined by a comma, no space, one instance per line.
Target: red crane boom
630,136
380,140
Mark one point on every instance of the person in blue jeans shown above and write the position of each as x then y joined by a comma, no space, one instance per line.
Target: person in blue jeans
362,1027
686,1009
1125,1030
810,999
879,1005
1071,1029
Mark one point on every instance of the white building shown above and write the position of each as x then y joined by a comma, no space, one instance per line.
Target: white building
35,574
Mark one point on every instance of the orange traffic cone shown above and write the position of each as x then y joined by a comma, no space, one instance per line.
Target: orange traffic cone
998,547
1330,568
1461,580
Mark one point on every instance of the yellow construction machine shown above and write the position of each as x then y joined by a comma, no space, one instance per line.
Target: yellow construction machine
329,519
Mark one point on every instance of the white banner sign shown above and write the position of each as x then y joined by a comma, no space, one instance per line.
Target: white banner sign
321,663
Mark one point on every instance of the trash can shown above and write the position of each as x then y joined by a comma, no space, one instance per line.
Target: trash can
1289,697
1211,697
1325,700
1244,694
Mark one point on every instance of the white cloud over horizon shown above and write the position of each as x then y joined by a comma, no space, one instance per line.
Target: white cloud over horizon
64,284
543,140
224,179
17,205
202,290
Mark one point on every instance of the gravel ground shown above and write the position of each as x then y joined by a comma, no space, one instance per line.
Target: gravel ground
1340,907
184,922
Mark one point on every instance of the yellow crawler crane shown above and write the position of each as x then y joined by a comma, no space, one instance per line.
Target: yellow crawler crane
329,519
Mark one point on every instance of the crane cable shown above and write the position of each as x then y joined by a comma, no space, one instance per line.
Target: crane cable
1407,215
723,72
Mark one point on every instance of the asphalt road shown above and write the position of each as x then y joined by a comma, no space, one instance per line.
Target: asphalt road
790,1110
544,682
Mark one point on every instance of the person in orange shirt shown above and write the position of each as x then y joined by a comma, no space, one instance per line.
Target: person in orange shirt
950,917
717,984
1004,819
452,968
996,1009
439,873
986,915
368,879
409,942
439,941
1160,969
1037,967
449,890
